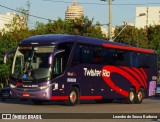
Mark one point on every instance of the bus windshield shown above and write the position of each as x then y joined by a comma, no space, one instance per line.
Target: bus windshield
31,63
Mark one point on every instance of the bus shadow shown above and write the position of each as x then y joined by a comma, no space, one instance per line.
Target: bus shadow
155,98
61,103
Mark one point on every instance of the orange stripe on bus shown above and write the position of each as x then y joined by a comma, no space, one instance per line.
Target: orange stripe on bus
129,48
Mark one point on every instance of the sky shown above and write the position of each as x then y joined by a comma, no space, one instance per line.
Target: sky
122,10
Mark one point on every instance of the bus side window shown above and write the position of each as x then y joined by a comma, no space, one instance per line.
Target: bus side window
144,60
109,56
67,47
81,55
123,58
135,58
77,55
84,54
96,56
152,62
58,65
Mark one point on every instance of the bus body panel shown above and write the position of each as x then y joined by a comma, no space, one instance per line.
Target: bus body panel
94,81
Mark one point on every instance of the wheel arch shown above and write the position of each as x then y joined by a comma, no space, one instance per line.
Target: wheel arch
136,89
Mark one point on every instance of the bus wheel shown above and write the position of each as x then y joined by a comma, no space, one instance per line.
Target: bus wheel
139,96
131,97
73,97
37,102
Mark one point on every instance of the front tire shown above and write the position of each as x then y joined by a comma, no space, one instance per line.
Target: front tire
131,97
73,97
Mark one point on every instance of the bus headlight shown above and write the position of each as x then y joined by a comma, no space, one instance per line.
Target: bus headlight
55,86
12,86
44,87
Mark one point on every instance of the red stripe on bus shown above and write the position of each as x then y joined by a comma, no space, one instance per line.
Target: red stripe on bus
108,79
128,48
59,98
144,73
135,74
90,97
142,76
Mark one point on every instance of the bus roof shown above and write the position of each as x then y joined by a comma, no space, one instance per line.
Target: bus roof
52,39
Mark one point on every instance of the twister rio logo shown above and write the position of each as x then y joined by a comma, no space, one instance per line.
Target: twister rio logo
136,76
127,73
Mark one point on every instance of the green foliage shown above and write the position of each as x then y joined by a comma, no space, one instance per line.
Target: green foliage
5,45
131,36
82,26
18,31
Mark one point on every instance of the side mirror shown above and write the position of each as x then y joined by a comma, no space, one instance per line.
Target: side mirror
7,54
52,55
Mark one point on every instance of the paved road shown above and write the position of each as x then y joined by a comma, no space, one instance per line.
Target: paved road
150,105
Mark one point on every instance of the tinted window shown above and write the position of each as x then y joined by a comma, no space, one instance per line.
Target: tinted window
152,61
123,58
134,59
143,60
148,60
83,54
109,56
93,55
67,47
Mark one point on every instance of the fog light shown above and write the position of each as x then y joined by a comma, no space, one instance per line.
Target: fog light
44,94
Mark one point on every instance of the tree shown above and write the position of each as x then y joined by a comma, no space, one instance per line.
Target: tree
82,26
132,36
5,45
154,39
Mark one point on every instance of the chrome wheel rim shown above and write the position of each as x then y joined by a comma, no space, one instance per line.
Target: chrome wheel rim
131,96
140,96
73,96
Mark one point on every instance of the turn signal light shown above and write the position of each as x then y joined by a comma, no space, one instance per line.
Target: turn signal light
26,95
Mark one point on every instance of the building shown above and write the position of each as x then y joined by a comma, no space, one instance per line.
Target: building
8,18
151,18
74,11
104,30
5,19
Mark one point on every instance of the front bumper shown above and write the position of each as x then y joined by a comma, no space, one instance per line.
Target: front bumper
36,95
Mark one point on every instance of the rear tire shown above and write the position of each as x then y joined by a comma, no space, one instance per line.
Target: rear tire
139,96
73,98
131,97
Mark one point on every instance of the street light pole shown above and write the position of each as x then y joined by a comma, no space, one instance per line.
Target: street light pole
141,14
110,19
